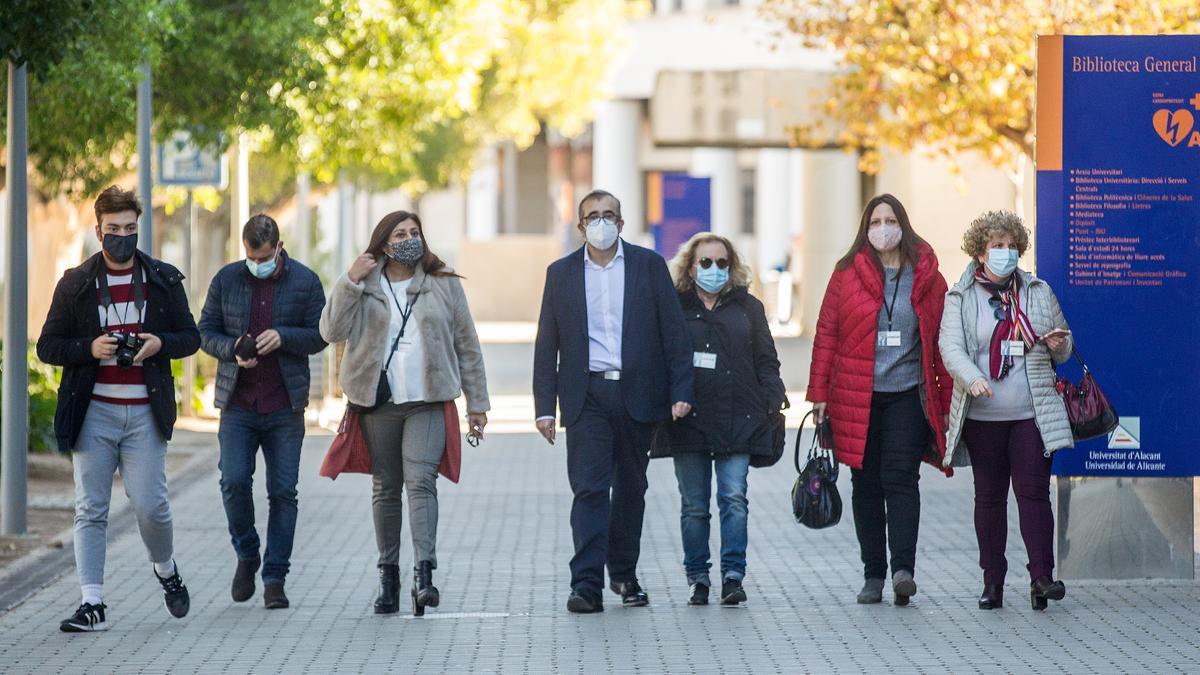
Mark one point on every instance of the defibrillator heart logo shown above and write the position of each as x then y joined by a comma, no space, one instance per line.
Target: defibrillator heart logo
1173,126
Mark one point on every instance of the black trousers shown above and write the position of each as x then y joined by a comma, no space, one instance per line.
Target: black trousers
607,451
887,501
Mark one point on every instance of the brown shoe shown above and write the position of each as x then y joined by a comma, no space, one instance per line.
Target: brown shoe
274,597
242,588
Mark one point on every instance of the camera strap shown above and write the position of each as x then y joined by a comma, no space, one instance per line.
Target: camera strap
139,295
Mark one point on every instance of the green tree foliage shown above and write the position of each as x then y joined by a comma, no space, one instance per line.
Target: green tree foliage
412,89
37,33
386,91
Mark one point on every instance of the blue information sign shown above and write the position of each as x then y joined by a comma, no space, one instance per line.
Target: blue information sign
1118,238
684,209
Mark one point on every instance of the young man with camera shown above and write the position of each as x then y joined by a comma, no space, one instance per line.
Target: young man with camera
115,323
260,321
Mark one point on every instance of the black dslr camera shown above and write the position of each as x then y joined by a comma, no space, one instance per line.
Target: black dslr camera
128,346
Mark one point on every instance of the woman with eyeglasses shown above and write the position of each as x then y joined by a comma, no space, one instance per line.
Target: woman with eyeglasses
877,374
737,385
411,346
1002,333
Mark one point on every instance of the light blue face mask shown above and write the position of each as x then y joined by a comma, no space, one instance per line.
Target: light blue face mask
1002,261
712,279
264,269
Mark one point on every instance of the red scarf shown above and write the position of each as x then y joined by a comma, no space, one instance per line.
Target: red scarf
1012,323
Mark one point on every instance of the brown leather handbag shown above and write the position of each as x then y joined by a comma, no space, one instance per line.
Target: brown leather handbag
1089,410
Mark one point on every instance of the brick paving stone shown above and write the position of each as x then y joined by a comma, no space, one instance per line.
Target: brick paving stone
503,550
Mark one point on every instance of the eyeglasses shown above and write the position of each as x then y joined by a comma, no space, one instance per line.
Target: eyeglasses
593,218
722,263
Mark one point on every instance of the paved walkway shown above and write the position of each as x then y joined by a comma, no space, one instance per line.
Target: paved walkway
504,546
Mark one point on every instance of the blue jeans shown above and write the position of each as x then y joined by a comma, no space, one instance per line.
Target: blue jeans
694,473
280,436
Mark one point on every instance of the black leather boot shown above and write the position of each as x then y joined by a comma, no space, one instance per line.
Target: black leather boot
1045,588
424,593
388,600
992,597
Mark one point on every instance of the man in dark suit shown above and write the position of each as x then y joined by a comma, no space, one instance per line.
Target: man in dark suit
613,349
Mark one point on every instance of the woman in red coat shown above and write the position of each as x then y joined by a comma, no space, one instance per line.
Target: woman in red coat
877,373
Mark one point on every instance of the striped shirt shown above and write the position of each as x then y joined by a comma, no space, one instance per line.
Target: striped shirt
114,384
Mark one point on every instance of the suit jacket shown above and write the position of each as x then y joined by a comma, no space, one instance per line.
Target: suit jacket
656,350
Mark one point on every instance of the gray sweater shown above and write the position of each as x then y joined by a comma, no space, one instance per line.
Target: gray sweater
1011,397
898,368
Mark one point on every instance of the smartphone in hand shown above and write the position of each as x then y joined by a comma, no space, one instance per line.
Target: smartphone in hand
1056,333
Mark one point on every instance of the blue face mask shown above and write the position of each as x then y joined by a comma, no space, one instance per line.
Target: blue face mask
712,279
265,269
1002,261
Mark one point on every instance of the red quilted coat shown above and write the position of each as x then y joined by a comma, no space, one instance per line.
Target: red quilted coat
843,364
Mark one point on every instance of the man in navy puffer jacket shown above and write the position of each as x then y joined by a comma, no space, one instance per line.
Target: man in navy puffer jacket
260,322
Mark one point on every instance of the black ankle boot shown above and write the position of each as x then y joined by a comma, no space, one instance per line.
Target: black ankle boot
388,601
993,596
1045,588
424,593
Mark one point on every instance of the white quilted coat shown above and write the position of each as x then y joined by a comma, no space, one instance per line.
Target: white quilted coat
960,347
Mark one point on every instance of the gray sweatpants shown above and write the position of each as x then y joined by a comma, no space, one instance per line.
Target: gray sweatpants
125,438
406,442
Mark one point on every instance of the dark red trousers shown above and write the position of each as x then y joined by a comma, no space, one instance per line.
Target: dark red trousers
1004,453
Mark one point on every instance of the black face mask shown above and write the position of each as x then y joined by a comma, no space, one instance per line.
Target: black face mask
120,248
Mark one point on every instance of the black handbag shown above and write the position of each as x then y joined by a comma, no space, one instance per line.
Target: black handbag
815,499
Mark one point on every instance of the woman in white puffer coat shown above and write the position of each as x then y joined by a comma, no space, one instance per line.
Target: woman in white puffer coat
1002,333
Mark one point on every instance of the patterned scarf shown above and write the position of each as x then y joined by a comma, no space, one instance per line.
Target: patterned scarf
1012,323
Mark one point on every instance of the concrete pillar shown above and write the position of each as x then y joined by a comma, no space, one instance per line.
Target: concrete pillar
720,164
239,194
772,192
510,194
301,234
345,224
797,188
834,206
615,165
483,197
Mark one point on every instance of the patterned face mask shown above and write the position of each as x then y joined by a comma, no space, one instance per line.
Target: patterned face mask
407,251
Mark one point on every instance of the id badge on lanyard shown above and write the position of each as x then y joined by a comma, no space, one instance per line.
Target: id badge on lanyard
1015,344
889,337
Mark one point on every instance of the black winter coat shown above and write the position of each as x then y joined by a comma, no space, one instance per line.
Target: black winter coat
295,314
735,399
74,322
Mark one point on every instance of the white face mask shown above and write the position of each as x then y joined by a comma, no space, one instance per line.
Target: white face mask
602,233
1002,261
884,237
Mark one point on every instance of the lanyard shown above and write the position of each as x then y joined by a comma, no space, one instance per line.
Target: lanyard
895,292
139,296
405,315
